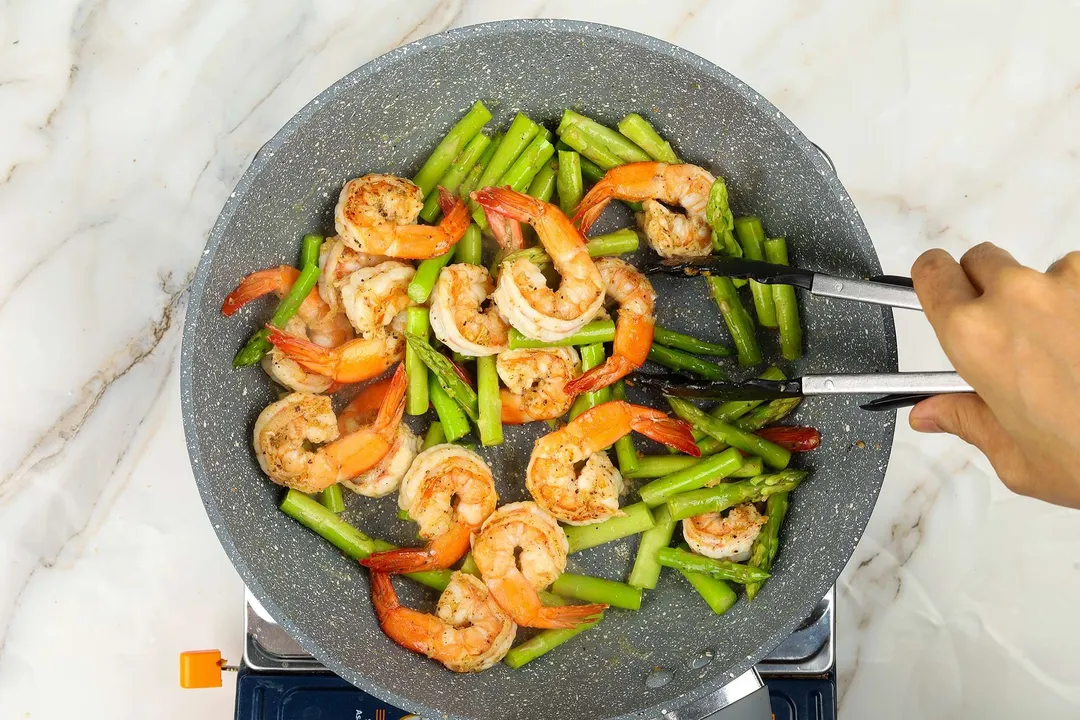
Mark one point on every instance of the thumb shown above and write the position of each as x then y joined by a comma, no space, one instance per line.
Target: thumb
964,415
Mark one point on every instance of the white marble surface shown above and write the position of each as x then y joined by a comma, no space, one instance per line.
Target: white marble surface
125,124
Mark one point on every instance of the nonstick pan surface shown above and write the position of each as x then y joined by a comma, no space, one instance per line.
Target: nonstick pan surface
386,117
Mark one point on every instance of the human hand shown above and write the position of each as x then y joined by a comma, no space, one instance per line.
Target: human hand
1014,334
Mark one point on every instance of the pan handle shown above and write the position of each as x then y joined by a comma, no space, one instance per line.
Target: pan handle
744,698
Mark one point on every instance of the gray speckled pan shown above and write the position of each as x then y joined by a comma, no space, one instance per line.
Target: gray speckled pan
386,117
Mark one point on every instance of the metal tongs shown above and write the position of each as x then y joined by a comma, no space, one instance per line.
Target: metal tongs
899,389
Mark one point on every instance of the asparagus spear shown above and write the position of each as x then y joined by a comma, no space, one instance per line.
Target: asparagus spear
472,178
718,214
619,242
624,446
449,147
521,132
637,519
646,570
332,500
719,569
638,130
618,145
679,360
591,356
787,309
435,436
416,394
752,239
543,184
427,272
597,590
769,413
727,495
543,642
346,538
774,456
707,470
570,186
454,422
688,343
716,593
447,377
527,165
589,149
731,411
598,331
767,542
737,320
257,345
470,247
455,175
490,404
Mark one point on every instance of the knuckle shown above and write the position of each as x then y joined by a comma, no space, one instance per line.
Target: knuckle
1026,286
930,262
1068,263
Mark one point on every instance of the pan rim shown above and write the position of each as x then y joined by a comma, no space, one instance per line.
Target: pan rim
810,152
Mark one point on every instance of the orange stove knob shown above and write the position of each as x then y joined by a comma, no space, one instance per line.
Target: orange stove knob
200,668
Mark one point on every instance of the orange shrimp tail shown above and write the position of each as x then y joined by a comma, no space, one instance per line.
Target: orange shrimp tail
393,404
607,373
512,411
447,200
383,596
592,206
567,616
509,203
313,357
442,552
456,217
261,282
670,431
507,232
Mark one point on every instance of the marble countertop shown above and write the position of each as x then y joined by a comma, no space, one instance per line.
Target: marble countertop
124,126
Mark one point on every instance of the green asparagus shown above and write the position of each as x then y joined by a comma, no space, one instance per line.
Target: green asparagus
445,152
767,542
774,456
720,569
702,472
751,237
737,320
639,131
637,518
727,495
787,308
646,570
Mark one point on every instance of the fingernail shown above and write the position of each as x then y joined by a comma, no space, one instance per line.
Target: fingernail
923,424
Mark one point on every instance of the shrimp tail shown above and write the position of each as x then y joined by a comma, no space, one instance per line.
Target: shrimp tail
509,203
408,628
592,206
313,357
507,232
442,552
568,616
393,404
456,216
447,200
383,596
607,373
261,282
670,431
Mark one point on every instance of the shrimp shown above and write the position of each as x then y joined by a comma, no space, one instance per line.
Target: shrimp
469,632
355,361
385,477
374,296
671,234
523,296
593,495
291,374
520,551
336,262
458,313
449,492
633,331
377,214
535,383
724,536
322,324
286,429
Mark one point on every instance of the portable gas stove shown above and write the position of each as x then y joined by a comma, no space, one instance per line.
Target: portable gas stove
279,680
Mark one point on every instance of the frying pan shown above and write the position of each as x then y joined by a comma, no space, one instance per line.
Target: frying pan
386,117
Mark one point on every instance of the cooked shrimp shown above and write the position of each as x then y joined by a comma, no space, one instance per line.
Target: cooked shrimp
355,361
523,296
377,214
635,296
593,494
535,383
322,325
374,296
449,492
520,551
336,262
654,184
291,374
385,477
286,430
469,632
459,317
724,536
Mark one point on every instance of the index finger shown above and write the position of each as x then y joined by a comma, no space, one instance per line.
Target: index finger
941,284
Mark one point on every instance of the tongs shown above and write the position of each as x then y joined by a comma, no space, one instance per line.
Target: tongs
899,389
